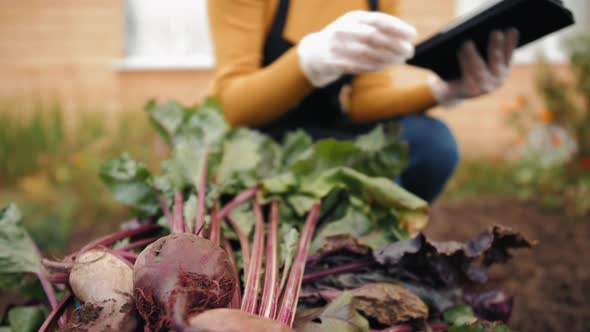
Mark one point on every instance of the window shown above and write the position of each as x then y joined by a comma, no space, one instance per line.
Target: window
551,47
171,34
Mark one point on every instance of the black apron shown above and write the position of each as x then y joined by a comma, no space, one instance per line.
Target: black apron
320,113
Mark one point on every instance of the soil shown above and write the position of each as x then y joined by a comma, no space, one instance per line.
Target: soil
551,283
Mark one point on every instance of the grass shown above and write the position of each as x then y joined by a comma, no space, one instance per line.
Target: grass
566,188
50,168
478,177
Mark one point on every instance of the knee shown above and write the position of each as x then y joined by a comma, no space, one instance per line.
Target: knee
435,146
444,147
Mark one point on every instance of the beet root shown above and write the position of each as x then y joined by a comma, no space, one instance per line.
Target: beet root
108,315
178,276
104,283
232,320
99,276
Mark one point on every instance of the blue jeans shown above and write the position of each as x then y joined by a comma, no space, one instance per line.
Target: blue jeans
434,155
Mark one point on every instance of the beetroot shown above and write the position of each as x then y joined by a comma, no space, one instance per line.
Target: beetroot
178,276
231,320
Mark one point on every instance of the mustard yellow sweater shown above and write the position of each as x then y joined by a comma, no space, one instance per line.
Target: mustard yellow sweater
253,95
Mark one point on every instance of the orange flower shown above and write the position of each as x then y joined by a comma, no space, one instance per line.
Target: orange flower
520,101
545,116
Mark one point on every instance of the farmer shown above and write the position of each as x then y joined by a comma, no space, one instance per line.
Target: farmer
326,66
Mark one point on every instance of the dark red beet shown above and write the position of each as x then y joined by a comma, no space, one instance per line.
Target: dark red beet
178,276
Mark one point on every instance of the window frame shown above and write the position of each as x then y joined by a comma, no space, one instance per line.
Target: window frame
201,60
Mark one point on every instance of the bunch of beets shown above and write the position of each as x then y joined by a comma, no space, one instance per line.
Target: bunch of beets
239,232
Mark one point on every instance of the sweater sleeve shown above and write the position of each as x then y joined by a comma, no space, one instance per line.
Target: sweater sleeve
238,33
375,96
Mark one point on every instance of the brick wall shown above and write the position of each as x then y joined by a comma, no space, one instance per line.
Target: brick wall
66,50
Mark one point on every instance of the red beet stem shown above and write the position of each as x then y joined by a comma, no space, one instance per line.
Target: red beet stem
408,328
45,284
57,266
56,312
138,244
291,296
58,278
237,298
285,274
244,242
167,212
112,238
253,277
439,326
397,328
336,270
202,195
128,258
270,290
47,287
127,255
238,199
179,225
215,232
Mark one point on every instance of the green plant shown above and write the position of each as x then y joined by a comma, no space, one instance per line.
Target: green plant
476,177
569,99
52,162
551,153
26,137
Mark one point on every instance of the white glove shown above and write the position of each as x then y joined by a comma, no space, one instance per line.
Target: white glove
479,78
359,41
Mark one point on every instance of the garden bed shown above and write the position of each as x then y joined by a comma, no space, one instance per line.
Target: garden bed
552,281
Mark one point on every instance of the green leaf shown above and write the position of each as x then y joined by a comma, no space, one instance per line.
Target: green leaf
5,329
384,153
375,190
185,166
301,204
327,155
280,184
297,145
248,157
128,181
243,215
338,315
190,211
166,118
459,315
479,327
205,124
288,245
192,133
18,253
379,153
383,199
26,319
353,223
120,244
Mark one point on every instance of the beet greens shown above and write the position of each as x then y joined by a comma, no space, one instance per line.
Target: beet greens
338,250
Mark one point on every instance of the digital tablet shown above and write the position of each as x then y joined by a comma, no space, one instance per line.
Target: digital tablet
534,19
